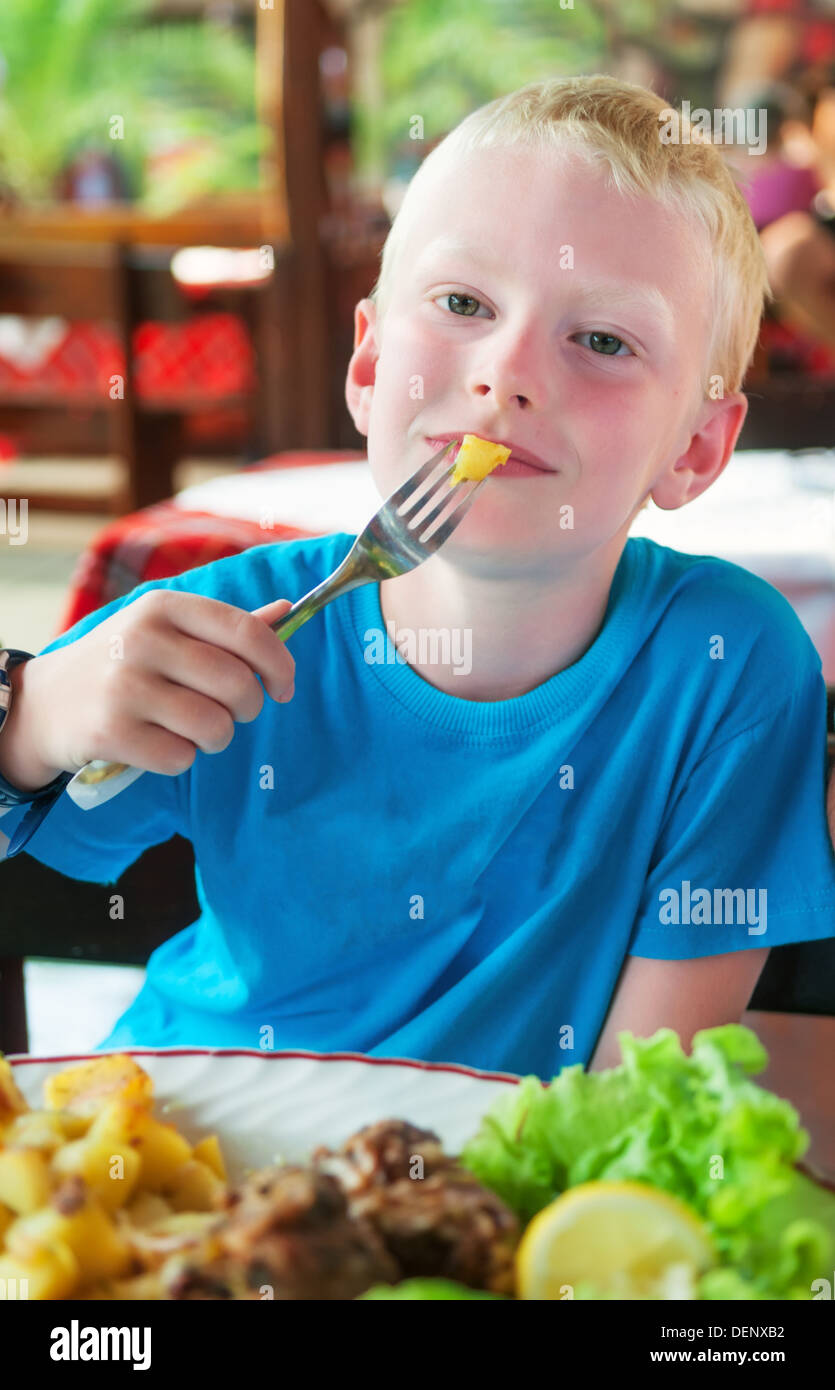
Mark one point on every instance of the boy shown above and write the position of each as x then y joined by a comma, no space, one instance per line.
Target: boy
609,818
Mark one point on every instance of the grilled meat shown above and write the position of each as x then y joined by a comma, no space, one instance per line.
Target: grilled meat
287,1228
389,1205
432,1216
381,1153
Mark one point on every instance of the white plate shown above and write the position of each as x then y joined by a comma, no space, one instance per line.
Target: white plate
272,1106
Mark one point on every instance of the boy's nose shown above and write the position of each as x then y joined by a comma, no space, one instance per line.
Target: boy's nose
512,372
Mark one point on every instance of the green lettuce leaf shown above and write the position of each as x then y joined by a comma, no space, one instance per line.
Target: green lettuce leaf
415,1290
695,1126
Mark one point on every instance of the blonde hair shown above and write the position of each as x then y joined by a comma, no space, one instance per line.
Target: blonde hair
618,125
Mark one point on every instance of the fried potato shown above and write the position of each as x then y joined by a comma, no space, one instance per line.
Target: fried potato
25,1182
85,1088
99,1248
96,1193
477,457
51,1273
37,1129
104,1157
161,1148
194,1187
12,1101
208,1151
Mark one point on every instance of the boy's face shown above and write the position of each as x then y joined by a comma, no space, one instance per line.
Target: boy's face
574,326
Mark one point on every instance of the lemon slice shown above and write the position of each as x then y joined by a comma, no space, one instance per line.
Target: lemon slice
476,458
627,1239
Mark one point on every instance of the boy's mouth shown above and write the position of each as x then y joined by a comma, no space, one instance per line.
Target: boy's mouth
521,464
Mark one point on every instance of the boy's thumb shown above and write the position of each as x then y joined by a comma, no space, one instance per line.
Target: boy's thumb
270,612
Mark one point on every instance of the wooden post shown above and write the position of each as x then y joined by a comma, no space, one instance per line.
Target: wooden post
288,42
150,442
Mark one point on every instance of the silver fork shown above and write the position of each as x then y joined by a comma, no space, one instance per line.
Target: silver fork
398,538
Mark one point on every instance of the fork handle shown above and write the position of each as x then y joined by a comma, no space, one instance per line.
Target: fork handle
346,576
99,781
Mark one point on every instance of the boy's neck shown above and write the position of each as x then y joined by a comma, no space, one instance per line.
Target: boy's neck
519,630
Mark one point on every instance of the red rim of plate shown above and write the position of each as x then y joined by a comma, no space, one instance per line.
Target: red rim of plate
452,1068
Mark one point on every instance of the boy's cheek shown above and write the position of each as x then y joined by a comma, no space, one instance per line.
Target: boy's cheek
409,377
408,339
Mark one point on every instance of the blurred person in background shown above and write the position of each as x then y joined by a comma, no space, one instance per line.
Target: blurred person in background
769,40
782,178
792,200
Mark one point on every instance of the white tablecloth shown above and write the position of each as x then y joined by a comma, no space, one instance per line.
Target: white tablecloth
770,511
773,513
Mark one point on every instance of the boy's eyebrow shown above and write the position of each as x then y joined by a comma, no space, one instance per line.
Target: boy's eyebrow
616,292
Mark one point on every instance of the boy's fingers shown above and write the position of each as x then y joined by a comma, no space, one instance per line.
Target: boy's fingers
270,613
245,635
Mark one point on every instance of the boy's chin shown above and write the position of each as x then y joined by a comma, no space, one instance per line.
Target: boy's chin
503,531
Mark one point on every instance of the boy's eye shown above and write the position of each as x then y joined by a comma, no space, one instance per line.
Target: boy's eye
605,343
464,305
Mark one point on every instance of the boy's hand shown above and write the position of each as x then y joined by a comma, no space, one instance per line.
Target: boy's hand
167,675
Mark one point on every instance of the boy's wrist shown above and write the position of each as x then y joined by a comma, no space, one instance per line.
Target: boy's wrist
20,762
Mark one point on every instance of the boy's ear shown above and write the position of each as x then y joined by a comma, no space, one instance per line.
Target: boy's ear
712,442
359,379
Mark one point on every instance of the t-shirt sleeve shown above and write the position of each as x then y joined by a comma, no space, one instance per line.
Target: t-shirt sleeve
99,844
744,860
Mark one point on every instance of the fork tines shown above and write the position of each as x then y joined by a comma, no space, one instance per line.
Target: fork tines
419,524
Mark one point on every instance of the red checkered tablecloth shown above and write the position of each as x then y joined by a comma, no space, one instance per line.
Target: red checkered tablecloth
164,539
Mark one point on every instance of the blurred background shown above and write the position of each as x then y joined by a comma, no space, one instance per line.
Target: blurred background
193,197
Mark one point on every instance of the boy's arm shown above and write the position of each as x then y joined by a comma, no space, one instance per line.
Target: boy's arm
751,812
682,994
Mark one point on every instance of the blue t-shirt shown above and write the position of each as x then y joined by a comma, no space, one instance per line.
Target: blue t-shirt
386,868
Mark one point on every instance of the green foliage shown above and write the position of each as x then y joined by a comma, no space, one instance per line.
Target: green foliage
444,58
69,66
